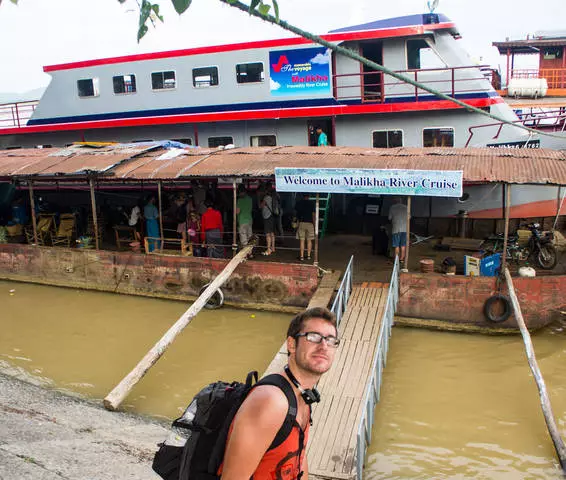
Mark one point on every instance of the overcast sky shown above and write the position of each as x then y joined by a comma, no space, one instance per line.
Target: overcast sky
45,32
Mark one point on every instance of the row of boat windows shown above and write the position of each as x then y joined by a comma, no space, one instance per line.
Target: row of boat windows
203,77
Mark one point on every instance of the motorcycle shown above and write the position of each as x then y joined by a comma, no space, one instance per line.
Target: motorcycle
539,247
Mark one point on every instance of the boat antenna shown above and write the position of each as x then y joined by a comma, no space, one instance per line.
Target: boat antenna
432,5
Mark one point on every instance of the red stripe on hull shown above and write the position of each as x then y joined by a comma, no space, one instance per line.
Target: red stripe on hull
544,208
253,115
283,42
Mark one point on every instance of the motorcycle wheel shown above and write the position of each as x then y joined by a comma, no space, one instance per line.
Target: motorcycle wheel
546,257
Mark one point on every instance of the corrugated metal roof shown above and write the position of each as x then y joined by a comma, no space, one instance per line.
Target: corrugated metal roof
71,161
119,163
528,46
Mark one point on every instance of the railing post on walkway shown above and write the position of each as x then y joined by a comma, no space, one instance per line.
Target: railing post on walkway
94,216
33,218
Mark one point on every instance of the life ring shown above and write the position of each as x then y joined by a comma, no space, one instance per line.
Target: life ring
217,299
487,308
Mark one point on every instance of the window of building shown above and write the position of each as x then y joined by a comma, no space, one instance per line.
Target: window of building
388,139
205,77
250,72
263,141
420,55
214,142
186,141
163,80
438,137
88,87
124,83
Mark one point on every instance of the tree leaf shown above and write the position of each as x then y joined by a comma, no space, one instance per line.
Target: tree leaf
254,4
181,5
155,9
264,9
276,10
142,31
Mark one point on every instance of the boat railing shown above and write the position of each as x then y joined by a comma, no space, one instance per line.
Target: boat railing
549,120
16,114
555,77
378,86
372,393
344,291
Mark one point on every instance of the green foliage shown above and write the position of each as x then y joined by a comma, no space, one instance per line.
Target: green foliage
181,5
146,10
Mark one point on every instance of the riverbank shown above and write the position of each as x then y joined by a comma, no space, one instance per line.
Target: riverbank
48,435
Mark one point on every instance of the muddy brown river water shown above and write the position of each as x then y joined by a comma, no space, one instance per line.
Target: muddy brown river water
453,406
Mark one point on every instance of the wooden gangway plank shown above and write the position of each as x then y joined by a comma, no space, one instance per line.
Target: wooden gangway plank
332,443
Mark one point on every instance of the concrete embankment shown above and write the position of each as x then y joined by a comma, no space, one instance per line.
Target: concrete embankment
46,435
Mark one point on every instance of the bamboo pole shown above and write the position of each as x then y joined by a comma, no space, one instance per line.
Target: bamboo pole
408,242
117,395
160,216
316,223
507,201
234,220
559,445
33,219
94,217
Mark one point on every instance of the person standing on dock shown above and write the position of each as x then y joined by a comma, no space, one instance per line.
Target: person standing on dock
322,138
151,215
212,230
398,218
244,212
255,448
305,210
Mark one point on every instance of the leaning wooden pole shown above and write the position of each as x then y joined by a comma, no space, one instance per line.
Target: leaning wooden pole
559,445
116,396
33,217
94,217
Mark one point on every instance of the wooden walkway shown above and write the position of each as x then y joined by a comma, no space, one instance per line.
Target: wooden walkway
333,436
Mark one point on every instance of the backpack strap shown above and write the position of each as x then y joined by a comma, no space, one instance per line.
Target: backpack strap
291,418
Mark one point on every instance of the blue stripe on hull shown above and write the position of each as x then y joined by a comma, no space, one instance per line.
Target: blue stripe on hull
322,102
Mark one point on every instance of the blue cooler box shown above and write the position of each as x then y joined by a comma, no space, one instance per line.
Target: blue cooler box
490,266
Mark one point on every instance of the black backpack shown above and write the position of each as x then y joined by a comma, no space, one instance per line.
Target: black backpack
195,447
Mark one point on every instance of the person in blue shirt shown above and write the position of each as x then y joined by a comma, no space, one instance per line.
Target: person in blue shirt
322,138
151,215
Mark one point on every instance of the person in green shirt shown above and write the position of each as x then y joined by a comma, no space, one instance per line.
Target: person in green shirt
244,212
322,138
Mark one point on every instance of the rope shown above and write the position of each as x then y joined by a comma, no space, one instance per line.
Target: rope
355,56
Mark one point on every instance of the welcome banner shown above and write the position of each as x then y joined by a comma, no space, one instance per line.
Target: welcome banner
430,183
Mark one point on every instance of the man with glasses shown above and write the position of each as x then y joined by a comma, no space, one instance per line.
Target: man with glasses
260,446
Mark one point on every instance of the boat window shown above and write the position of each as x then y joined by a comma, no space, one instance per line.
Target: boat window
388,139
250,72
124,83
214,142
205,77
420,55
263,141
438,137
186,141
163,80
88,87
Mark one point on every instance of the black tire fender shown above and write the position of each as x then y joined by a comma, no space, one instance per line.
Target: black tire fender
217,299
488,306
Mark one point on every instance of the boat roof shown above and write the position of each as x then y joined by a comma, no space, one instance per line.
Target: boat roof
152,162
528,46
409,25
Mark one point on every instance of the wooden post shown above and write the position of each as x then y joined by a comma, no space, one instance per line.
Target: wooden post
508,73
316,223
545,401
408,232
94,217
116,396
234,222
33,219
507,202
160,216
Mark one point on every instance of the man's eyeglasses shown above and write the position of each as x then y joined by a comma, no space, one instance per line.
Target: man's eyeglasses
315,337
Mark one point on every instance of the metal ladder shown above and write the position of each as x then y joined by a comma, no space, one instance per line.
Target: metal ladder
323,212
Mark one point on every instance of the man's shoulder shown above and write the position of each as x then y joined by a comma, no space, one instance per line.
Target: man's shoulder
267,399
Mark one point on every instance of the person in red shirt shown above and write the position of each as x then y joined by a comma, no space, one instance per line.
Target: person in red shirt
211,231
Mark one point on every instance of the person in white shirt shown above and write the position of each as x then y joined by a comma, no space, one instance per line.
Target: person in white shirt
134,220
398,218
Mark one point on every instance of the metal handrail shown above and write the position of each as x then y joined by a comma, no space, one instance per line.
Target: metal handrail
16,114
341,301
371,396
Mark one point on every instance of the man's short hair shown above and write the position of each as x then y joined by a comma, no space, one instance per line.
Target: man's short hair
299,320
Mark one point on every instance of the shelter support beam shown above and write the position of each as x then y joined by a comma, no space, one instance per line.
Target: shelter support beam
559,445
234,220
506,207
316,224
159,196
94,216
116,396
408,242
33,219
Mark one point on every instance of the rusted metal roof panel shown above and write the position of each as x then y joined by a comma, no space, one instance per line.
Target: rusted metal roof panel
13,161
